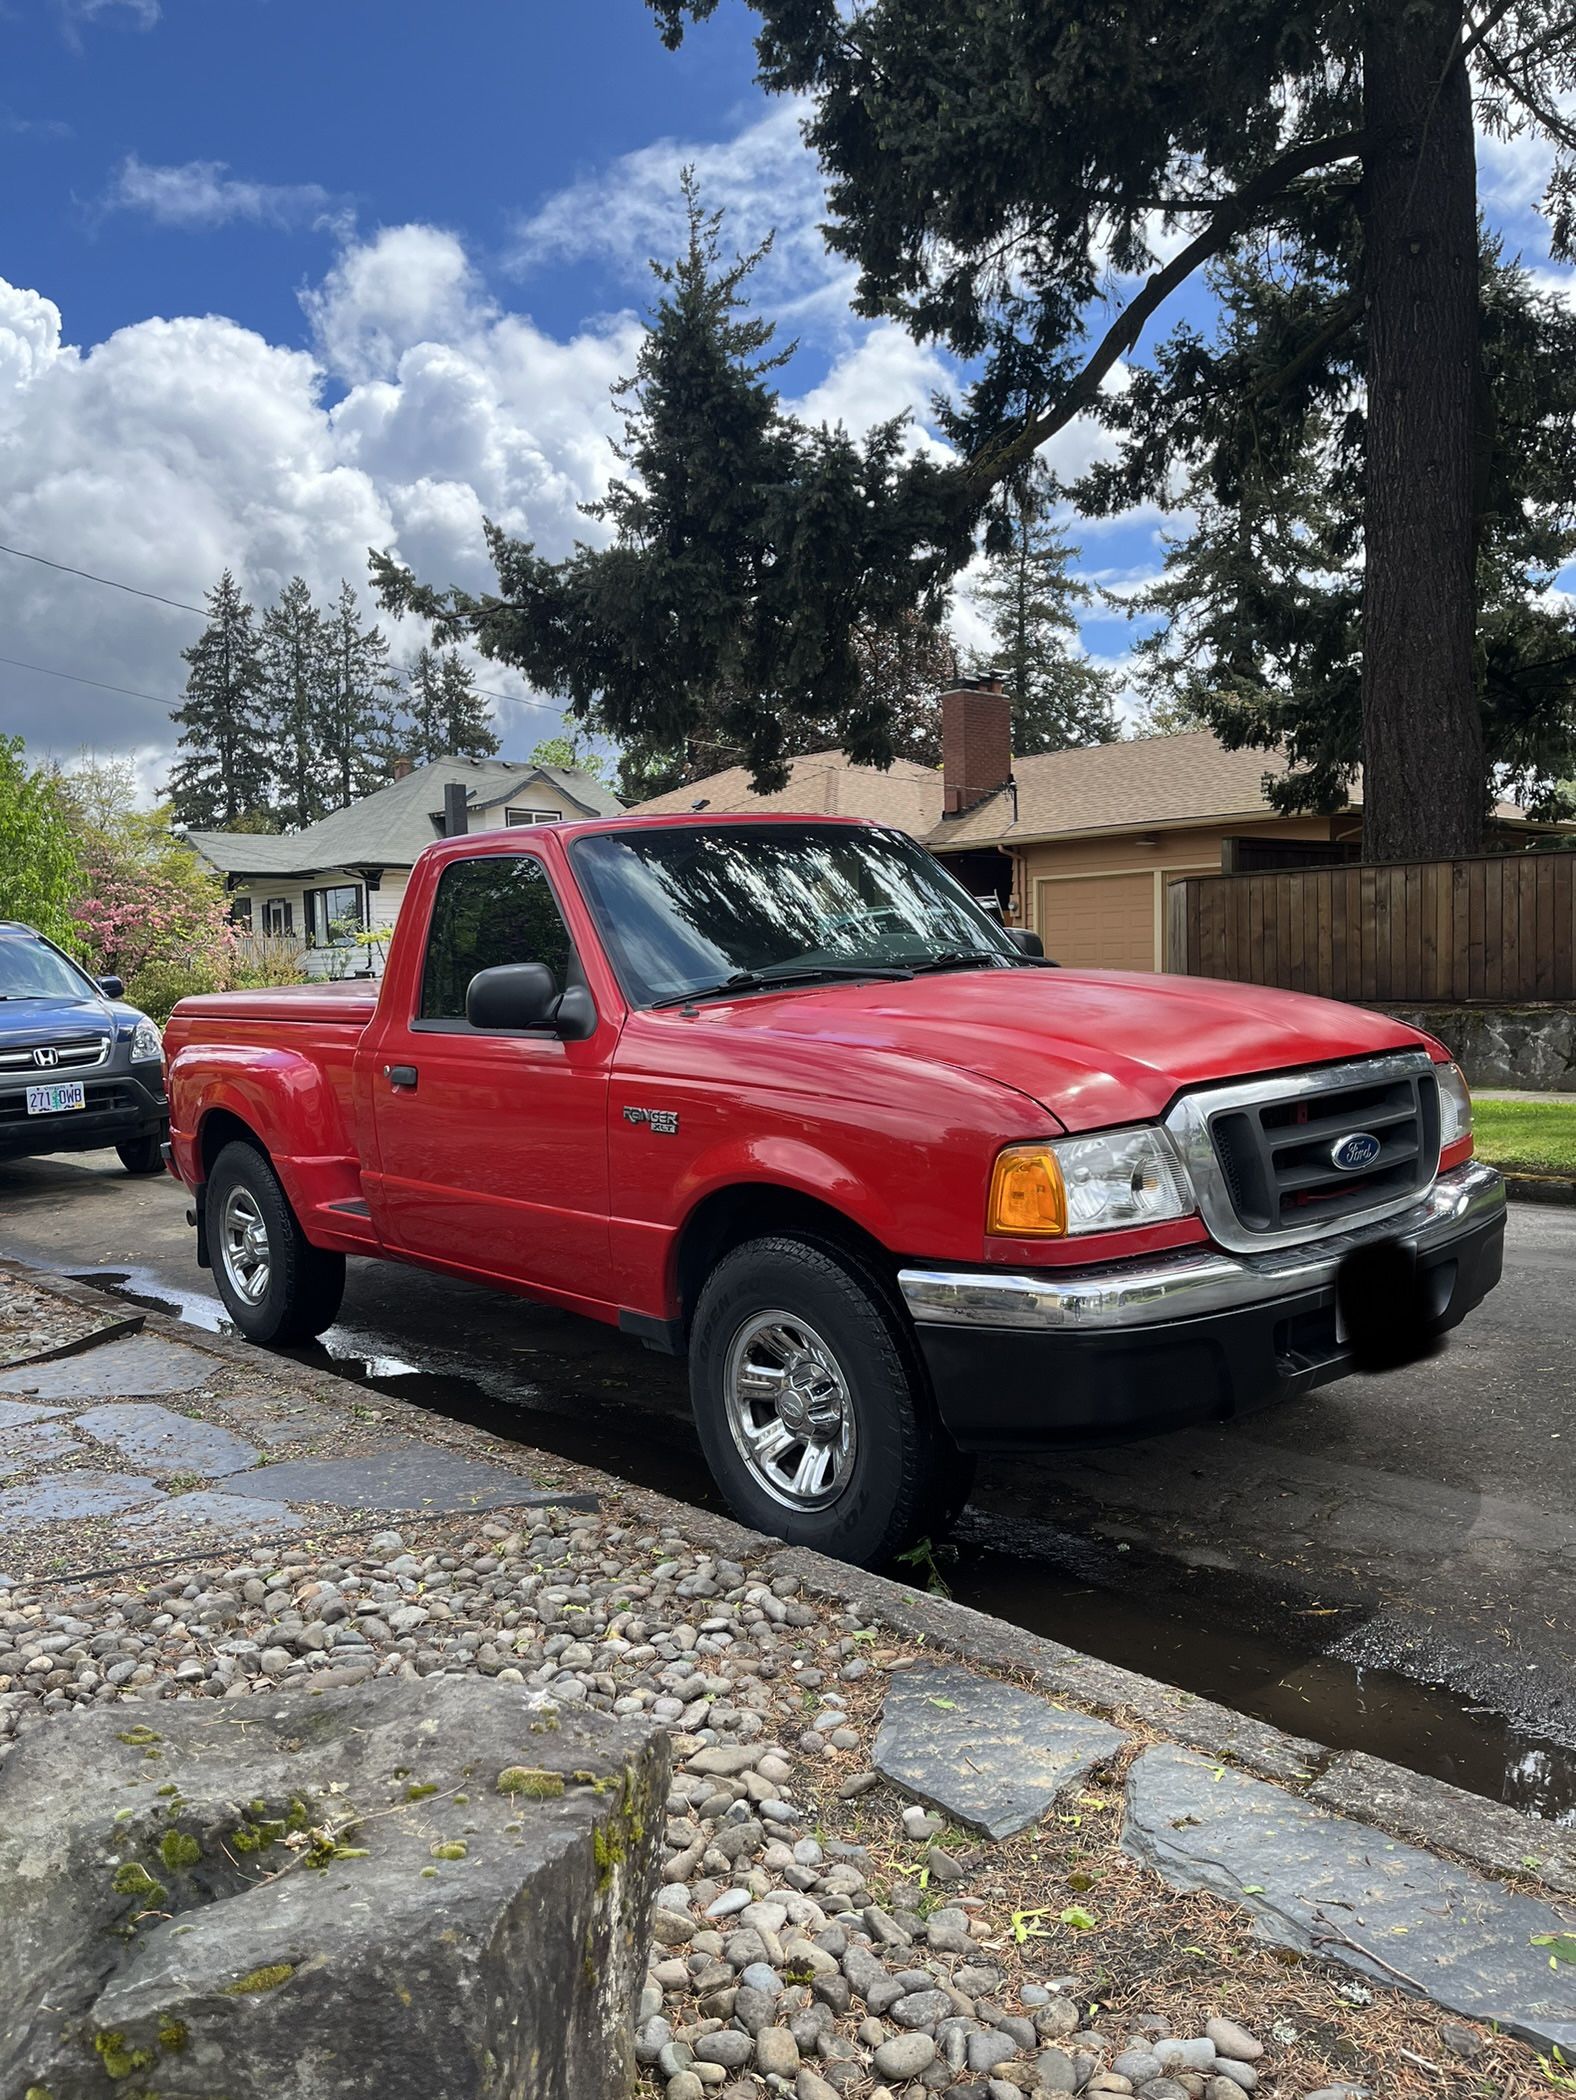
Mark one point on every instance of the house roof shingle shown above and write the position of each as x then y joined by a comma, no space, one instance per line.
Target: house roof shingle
1142,781
823,784
390,828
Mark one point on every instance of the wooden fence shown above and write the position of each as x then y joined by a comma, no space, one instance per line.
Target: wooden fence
1497,929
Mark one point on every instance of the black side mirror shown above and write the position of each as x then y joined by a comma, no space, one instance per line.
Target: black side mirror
526,996
515,995
1024,941
112,987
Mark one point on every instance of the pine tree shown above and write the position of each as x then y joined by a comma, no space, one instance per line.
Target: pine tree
1058,697
357,734
224,774
1260,606
296,694
747,551
422,730
467,719
1033,184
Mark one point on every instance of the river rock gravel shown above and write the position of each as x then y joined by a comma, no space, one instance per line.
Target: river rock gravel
784,1958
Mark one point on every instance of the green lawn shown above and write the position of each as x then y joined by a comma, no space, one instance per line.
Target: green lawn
1531,1134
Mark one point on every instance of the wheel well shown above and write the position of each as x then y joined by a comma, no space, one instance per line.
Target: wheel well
221,1127
728,1217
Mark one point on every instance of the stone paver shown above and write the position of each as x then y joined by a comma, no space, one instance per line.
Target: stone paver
14,1413
50,1441
51,1497
131,1369
413,1477
165,1442
168,1523
1327,1885
983,1752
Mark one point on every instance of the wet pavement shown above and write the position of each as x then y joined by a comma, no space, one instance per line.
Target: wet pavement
1387,1565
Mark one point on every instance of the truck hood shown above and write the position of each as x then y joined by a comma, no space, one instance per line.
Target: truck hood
1095,1047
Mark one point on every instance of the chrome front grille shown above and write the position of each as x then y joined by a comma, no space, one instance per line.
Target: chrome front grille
76,1053
1262,1154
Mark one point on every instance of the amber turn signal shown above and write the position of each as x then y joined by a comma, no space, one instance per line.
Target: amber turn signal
1027,1197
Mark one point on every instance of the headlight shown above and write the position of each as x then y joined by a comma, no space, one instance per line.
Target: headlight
1088,1184
1455,1105
146,1042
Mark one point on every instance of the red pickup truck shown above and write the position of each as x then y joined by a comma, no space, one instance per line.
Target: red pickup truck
777,1093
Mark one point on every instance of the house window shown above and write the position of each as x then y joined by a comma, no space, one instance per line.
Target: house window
333,915
241,914
278,915
532,816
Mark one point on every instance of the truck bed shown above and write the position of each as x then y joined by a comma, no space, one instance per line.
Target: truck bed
351,1003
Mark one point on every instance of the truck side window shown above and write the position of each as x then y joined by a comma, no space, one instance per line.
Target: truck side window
498,908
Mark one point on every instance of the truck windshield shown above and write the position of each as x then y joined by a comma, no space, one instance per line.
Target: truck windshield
30,970
689,911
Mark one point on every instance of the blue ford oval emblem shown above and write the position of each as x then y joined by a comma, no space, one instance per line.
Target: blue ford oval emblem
1359,1148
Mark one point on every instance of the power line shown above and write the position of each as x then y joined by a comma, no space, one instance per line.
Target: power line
109,582
180,605
17,664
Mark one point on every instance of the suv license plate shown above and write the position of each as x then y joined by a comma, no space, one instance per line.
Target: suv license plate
50,1100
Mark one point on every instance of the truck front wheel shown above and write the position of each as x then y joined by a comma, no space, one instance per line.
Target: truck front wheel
276,1286
811,1406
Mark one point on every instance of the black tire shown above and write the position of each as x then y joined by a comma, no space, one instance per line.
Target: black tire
143,1155
895,1483
303,1285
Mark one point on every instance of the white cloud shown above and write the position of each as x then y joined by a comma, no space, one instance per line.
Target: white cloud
179,447
764,179
202,194
885,374
131,14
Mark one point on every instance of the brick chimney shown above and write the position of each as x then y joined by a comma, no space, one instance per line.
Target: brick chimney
976,743
403,767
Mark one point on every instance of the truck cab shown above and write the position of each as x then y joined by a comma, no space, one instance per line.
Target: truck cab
776,1094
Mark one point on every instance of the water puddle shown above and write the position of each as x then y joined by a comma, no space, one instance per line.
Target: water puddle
1283,1666
1194,1627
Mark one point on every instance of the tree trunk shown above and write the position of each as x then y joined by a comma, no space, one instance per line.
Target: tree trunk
1423,765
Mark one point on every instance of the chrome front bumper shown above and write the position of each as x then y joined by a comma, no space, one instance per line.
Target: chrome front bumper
1152,1291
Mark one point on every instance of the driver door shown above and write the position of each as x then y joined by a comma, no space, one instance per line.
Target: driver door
493,1145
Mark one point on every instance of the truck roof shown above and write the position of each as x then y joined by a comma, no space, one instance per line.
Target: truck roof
628,820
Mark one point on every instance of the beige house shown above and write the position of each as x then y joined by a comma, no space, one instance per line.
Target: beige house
1081,845
349,870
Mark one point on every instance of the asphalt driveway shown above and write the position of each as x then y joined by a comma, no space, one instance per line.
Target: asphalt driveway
1422,1523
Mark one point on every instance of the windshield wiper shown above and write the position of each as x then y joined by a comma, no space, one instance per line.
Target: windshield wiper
961,959
786,973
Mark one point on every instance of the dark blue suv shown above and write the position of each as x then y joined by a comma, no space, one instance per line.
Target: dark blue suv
78,1068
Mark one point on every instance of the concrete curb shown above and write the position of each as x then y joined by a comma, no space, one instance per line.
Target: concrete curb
1486,1835
1539,1188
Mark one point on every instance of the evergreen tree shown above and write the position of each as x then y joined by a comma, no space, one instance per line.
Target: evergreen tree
467,719
224,773
1261,603
356,731
905,665
996,170
445,716
1058,696
296,693
747,550
422,730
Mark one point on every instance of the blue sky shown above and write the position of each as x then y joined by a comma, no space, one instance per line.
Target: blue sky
282,279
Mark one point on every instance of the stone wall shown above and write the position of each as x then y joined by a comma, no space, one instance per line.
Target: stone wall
1504,1046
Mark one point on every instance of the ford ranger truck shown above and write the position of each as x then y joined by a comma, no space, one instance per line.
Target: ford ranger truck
777,1094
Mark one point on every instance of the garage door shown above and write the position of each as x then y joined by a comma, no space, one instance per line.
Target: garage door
1099,922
